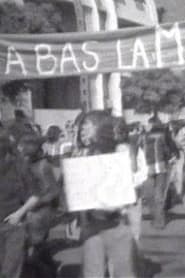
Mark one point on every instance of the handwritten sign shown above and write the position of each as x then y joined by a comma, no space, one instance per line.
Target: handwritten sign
98,182
129,49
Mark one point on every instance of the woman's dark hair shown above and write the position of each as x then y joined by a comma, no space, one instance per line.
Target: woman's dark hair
103,140
79,118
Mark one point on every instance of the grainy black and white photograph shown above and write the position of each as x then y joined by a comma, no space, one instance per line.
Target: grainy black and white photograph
92,138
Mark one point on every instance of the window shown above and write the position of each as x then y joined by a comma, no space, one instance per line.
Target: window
140,4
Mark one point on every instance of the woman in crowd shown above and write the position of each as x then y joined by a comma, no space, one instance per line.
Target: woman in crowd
176,171
26,203
157,154
12,233
106,234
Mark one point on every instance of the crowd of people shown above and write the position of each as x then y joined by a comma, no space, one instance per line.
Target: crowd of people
31,184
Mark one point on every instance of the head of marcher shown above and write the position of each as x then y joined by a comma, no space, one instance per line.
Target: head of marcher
53,134
96,132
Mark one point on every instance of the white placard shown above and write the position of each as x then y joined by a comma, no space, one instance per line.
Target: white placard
98,182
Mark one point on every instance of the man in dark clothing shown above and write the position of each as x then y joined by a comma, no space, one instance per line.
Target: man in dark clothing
37,175
157,155
12,237
27,201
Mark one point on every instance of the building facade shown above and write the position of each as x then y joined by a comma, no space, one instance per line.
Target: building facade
171,10
103,90
98,91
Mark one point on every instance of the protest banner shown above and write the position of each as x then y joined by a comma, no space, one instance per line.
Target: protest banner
98,182
129,49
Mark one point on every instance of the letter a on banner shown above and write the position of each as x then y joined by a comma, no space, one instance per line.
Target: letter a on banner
14,59
139,52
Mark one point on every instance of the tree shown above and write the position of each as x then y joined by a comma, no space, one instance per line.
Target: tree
159,90
34,17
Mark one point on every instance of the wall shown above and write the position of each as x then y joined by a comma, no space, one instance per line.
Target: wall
175,10
45,117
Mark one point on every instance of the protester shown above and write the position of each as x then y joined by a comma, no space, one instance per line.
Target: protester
126,143
176,174
16,201
157,155
106,234
38,177
139,169
51,147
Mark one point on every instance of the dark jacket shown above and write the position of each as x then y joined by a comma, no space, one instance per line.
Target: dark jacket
156,151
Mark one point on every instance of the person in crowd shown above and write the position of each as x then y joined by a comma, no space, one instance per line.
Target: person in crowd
51,146
139,169
106,234
176,173
12,233
126,143
18,201
37,175
157,155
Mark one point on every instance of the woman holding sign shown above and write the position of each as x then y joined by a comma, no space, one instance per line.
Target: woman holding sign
106,232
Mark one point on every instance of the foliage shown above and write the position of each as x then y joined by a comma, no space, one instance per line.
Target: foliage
34,17
160,89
